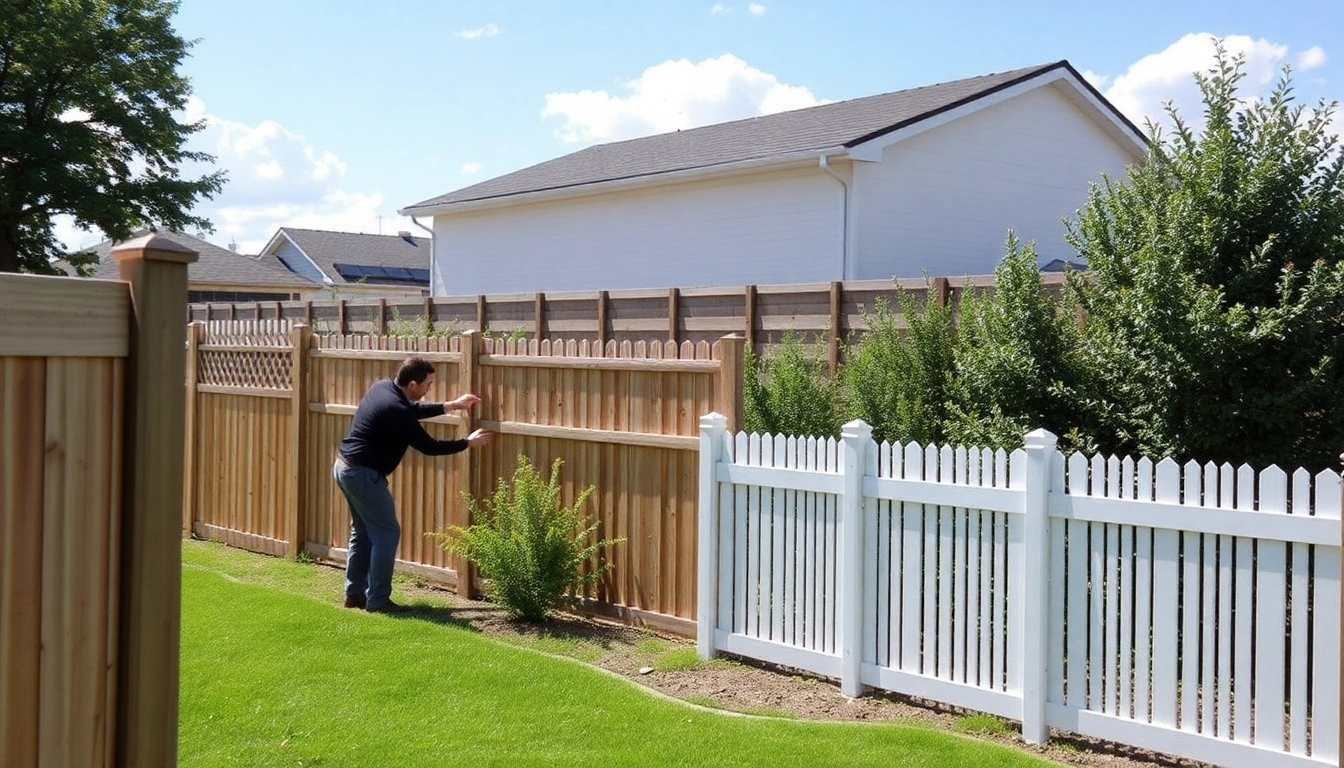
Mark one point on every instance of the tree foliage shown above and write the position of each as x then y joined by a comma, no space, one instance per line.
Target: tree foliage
1215,294
89,96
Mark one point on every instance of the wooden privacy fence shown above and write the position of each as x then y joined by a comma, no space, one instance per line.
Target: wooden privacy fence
91,429
1192,610
269,402
828,312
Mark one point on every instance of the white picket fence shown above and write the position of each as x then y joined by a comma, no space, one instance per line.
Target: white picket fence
1191,610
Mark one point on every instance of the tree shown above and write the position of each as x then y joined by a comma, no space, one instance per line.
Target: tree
1215,293
789,392
88,95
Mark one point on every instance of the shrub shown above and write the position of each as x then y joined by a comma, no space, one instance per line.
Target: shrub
1017,361
530,548
897,379
789,392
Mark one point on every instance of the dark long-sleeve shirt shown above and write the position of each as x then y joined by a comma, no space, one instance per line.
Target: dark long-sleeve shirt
386,424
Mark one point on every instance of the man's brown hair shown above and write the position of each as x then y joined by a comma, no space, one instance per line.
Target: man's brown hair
413,369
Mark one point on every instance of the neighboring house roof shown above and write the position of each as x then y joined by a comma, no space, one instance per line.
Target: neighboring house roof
829,128
347,258
1059,265
215,266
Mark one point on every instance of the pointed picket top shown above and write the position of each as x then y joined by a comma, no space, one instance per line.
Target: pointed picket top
1273,492
1327,494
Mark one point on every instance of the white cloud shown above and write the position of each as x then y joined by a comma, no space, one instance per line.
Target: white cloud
1098,81
1169,76
674,95
756,9
470,169
1311,58
719,8
489,30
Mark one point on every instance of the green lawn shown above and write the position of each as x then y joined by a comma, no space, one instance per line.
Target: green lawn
274,673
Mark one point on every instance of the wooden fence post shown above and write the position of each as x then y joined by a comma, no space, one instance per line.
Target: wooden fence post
673,300
195,331
480,313
341,327
728,396
151,548
603,308
539,328
749,316
713,435
854,437
473,344
380,322
300,337
1033,643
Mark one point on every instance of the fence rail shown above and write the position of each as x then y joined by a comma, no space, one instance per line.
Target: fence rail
828,312
1193,610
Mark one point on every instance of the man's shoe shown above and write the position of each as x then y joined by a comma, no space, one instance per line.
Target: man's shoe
388,607
354,601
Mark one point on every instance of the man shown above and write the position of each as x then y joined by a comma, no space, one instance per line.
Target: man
385,424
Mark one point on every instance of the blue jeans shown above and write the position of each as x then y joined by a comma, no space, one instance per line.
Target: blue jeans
374,533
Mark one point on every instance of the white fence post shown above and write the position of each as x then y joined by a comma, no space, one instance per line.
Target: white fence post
712,430
856,437
1033,636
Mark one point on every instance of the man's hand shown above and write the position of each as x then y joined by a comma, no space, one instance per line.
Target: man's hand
479,437
462,403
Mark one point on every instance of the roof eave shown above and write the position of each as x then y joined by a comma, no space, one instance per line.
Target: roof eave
631,182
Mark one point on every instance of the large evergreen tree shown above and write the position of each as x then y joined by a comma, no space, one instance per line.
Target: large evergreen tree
89,91
1215,296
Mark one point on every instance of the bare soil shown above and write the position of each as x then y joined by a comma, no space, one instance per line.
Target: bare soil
666,664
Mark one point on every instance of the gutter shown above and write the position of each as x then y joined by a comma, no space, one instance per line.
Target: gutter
825,165
435,276
604,186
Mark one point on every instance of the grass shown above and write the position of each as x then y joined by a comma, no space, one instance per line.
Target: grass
981,724
679,659
275,673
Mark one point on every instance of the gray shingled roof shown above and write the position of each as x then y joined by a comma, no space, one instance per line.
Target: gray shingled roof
214,266
842,124
328,249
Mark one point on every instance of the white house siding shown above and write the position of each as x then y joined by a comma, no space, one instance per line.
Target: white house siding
290,255
778,227
942,201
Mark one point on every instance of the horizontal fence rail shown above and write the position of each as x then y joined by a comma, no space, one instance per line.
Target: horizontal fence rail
1193,610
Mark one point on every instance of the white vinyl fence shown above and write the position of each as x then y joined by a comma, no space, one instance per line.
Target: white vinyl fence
1193,610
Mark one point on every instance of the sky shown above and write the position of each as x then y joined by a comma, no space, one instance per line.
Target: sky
334,114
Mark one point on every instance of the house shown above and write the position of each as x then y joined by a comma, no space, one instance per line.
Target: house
350,265
926,180
219,274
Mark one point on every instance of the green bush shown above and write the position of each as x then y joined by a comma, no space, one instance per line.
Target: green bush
789,392
530,548
897,379
1215,291
1017,361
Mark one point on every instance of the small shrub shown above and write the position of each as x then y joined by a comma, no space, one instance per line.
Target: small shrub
530,548
789,392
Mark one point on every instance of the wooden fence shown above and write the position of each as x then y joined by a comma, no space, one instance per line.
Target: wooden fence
1193,610
91,408
270,401
824,312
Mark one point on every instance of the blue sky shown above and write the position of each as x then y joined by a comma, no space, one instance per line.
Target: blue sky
334,114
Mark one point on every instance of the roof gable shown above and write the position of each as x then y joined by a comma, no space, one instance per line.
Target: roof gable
838,127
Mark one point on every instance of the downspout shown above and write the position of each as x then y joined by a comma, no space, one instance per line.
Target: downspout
844,236
436,287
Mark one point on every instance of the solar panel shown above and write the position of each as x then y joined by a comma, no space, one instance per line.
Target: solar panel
371,273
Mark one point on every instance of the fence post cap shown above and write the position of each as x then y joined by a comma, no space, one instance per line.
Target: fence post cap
154,247
857,428
1041,438
713,420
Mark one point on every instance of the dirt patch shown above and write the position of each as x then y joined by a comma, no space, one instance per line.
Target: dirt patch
668,664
